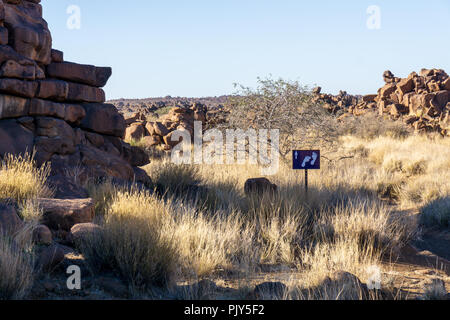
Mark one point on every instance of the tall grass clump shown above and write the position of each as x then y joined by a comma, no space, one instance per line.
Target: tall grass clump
16,265
132,242
436,214
148,240
207,244
173,178
413,171
281,225
371,224
20,179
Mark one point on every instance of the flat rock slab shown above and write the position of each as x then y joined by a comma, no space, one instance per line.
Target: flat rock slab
85,74
63,214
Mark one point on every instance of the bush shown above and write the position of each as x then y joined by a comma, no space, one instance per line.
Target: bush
288,107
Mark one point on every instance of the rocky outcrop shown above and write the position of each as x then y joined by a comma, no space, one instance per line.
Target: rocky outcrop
56,107
159,132
420,100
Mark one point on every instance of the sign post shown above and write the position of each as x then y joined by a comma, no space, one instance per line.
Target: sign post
306,181
306,160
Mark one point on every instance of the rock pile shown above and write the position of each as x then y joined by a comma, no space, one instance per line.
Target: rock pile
420,100
56,107
159,133
63,222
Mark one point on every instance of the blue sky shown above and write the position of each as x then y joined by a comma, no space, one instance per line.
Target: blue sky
200,48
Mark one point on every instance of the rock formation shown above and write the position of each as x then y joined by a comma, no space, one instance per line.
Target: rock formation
421,100
54,107
159,132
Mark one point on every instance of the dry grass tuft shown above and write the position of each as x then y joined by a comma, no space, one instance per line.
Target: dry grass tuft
16,265
173,178
21,180
413,171
435,290
133,242
436,213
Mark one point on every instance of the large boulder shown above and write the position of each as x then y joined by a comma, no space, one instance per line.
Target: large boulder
104,119
160,129
83,93
42,235
85,74
17,87
259,186
405,85
13,107
11,68
135,131
65,187
53,89
15,138
10,222
29,33
82,231
54,136
63,214
103,164
135,156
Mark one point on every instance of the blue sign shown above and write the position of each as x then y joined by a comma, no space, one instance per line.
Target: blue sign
306,159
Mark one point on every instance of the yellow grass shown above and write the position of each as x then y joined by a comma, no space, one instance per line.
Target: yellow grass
418,166
343,224
21,180
16,265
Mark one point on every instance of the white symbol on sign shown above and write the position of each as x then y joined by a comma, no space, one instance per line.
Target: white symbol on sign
308,159
296,155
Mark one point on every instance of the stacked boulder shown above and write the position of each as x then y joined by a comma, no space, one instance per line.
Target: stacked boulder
54,107
420,100
159,133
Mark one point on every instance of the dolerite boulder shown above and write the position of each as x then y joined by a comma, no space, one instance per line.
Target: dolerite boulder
56,107
63,214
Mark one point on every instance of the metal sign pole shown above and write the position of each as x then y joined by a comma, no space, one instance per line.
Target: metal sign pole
306,182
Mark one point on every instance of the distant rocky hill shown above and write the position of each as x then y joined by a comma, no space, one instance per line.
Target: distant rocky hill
153,104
